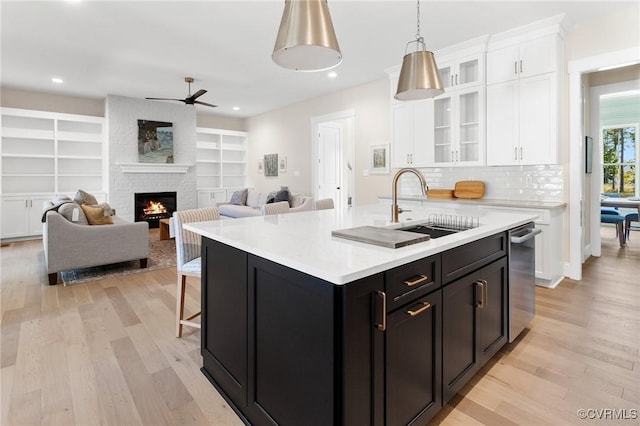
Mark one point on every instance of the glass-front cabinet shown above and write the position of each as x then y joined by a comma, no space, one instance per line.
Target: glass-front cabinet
462,73
459,128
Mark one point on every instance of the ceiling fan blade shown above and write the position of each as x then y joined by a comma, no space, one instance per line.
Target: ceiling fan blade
166,99
204,103
197,95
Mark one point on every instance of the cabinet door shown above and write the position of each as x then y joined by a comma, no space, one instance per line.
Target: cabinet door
502,124
35,214
224,319
502,65
414,357
492,312
538,56
402,122
15,218
470,126
422,134
443,150
538,120
459,355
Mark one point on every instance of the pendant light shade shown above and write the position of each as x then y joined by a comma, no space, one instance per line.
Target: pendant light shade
306,39
419,75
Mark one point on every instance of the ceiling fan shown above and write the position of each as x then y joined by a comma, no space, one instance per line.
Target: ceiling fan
190,99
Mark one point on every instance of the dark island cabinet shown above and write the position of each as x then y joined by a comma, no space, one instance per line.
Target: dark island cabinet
287,348
474,323
414,362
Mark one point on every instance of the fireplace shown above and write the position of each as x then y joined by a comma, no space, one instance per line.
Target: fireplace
153,206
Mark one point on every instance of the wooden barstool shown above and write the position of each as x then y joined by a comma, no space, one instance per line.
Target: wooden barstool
189,263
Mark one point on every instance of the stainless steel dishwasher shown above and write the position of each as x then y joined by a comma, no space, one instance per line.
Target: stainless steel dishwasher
522,274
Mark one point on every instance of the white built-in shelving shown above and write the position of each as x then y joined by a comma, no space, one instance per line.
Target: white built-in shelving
45,153
221,163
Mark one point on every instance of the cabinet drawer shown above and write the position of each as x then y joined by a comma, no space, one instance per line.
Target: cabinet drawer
413,280
461,260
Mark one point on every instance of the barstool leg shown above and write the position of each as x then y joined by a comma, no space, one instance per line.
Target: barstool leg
182,280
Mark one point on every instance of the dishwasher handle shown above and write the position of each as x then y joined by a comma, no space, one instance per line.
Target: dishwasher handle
526,237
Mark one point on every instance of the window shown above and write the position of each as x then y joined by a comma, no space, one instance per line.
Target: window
620,160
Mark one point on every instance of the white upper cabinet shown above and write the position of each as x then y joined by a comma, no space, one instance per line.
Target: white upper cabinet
525,59
463,72
523,93
411,124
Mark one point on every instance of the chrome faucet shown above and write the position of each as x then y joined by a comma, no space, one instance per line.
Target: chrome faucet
395,210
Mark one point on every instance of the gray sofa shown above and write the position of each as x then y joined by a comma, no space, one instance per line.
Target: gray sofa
255,201
69,245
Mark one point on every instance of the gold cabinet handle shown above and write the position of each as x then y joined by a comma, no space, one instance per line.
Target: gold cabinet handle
383,326
419,279
480,285
485,293
424,307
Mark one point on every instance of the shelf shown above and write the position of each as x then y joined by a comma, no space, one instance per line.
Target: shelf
154,168
208,175
234,149
471,123
79,174
208,161
28,175
27,156
233,162
79,157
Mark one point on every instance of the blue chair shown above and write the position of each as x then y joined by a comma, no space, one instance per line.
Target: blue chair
629,217
619,221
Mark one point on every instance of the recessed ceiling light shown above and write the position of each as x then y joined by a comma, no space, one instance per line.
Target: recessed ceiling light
236,108
332,74
57,80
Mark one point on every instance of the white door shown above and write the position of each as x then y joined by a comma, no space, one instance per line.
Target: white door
502,124
329,153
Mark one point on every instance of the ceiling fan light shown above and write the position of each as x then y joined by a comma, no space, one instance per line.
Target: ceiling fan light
306,39
419,77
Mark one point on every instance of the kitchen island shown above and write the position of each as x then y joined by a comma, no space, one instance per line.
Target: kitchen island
300,327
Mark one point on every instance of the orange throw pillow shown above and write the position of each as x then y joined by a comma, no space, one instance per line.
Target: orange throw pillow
98,214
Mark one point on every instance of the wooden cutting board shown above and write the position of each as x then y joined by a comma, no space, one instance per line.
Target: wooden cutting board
440,193
469,189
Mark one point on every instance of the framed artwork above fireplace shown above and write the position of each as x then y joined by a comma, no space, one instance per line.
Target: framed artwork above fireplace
155,142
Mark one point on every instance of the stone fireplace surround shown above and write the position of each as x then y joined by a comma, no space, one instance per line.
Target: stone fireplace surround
122,115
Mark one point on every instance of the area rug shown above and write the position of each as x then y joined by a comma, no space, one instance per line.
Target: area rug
162,254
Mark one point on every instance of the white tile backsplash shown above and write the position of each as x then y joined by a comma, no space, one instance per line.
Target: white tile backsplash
536,183
122,116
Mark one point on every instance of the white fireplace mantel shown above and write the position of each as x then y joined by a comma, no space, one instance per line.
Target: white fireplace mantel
154,167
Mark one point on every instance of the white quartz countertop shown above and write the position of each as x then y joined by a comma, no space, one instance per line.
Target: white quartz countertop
530,204
303,241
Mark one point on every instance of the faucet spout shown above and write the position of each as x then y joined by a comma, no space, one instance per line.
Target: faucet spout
395,210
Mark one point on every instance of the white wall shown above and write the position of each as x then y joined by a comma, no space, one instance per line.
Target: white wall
122,115
287,132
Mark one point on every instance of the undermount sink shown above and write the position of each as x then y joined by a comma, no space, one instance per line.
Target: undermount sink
433,231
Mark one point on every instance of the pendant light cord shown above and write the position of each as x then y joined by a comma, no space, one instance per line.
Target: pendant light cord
418,36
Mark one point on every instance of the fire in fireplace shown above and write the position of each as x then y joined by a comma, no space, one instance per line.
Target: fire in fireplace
153,206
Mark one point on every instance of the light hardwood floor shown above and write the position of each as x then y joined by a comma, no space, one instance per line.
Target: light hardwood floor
104,353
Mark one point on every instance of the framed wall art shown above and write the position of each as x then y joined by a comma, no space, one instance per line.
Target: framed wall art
271,165
282,165
155,142
379,159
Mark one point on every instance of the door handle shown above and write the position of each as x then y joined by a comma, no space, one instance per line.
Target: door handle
383,325
424,307
419,279
521,66
515,67
337,187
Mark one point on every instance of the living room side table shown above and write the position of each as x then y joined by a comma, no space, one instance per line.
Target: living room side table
164,229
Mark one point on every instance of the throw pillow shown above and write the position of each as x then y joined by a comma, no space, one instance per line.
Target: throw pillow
253,198
73,213
282,195
271,197
98,214
83,197
239,198
296,200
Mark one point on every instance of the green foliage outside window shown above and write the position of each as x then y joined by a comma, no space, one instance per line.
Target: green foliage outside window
619,161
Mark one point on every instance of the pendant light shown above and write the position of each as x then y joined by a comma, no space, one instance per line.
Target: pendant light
306,39
419,75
